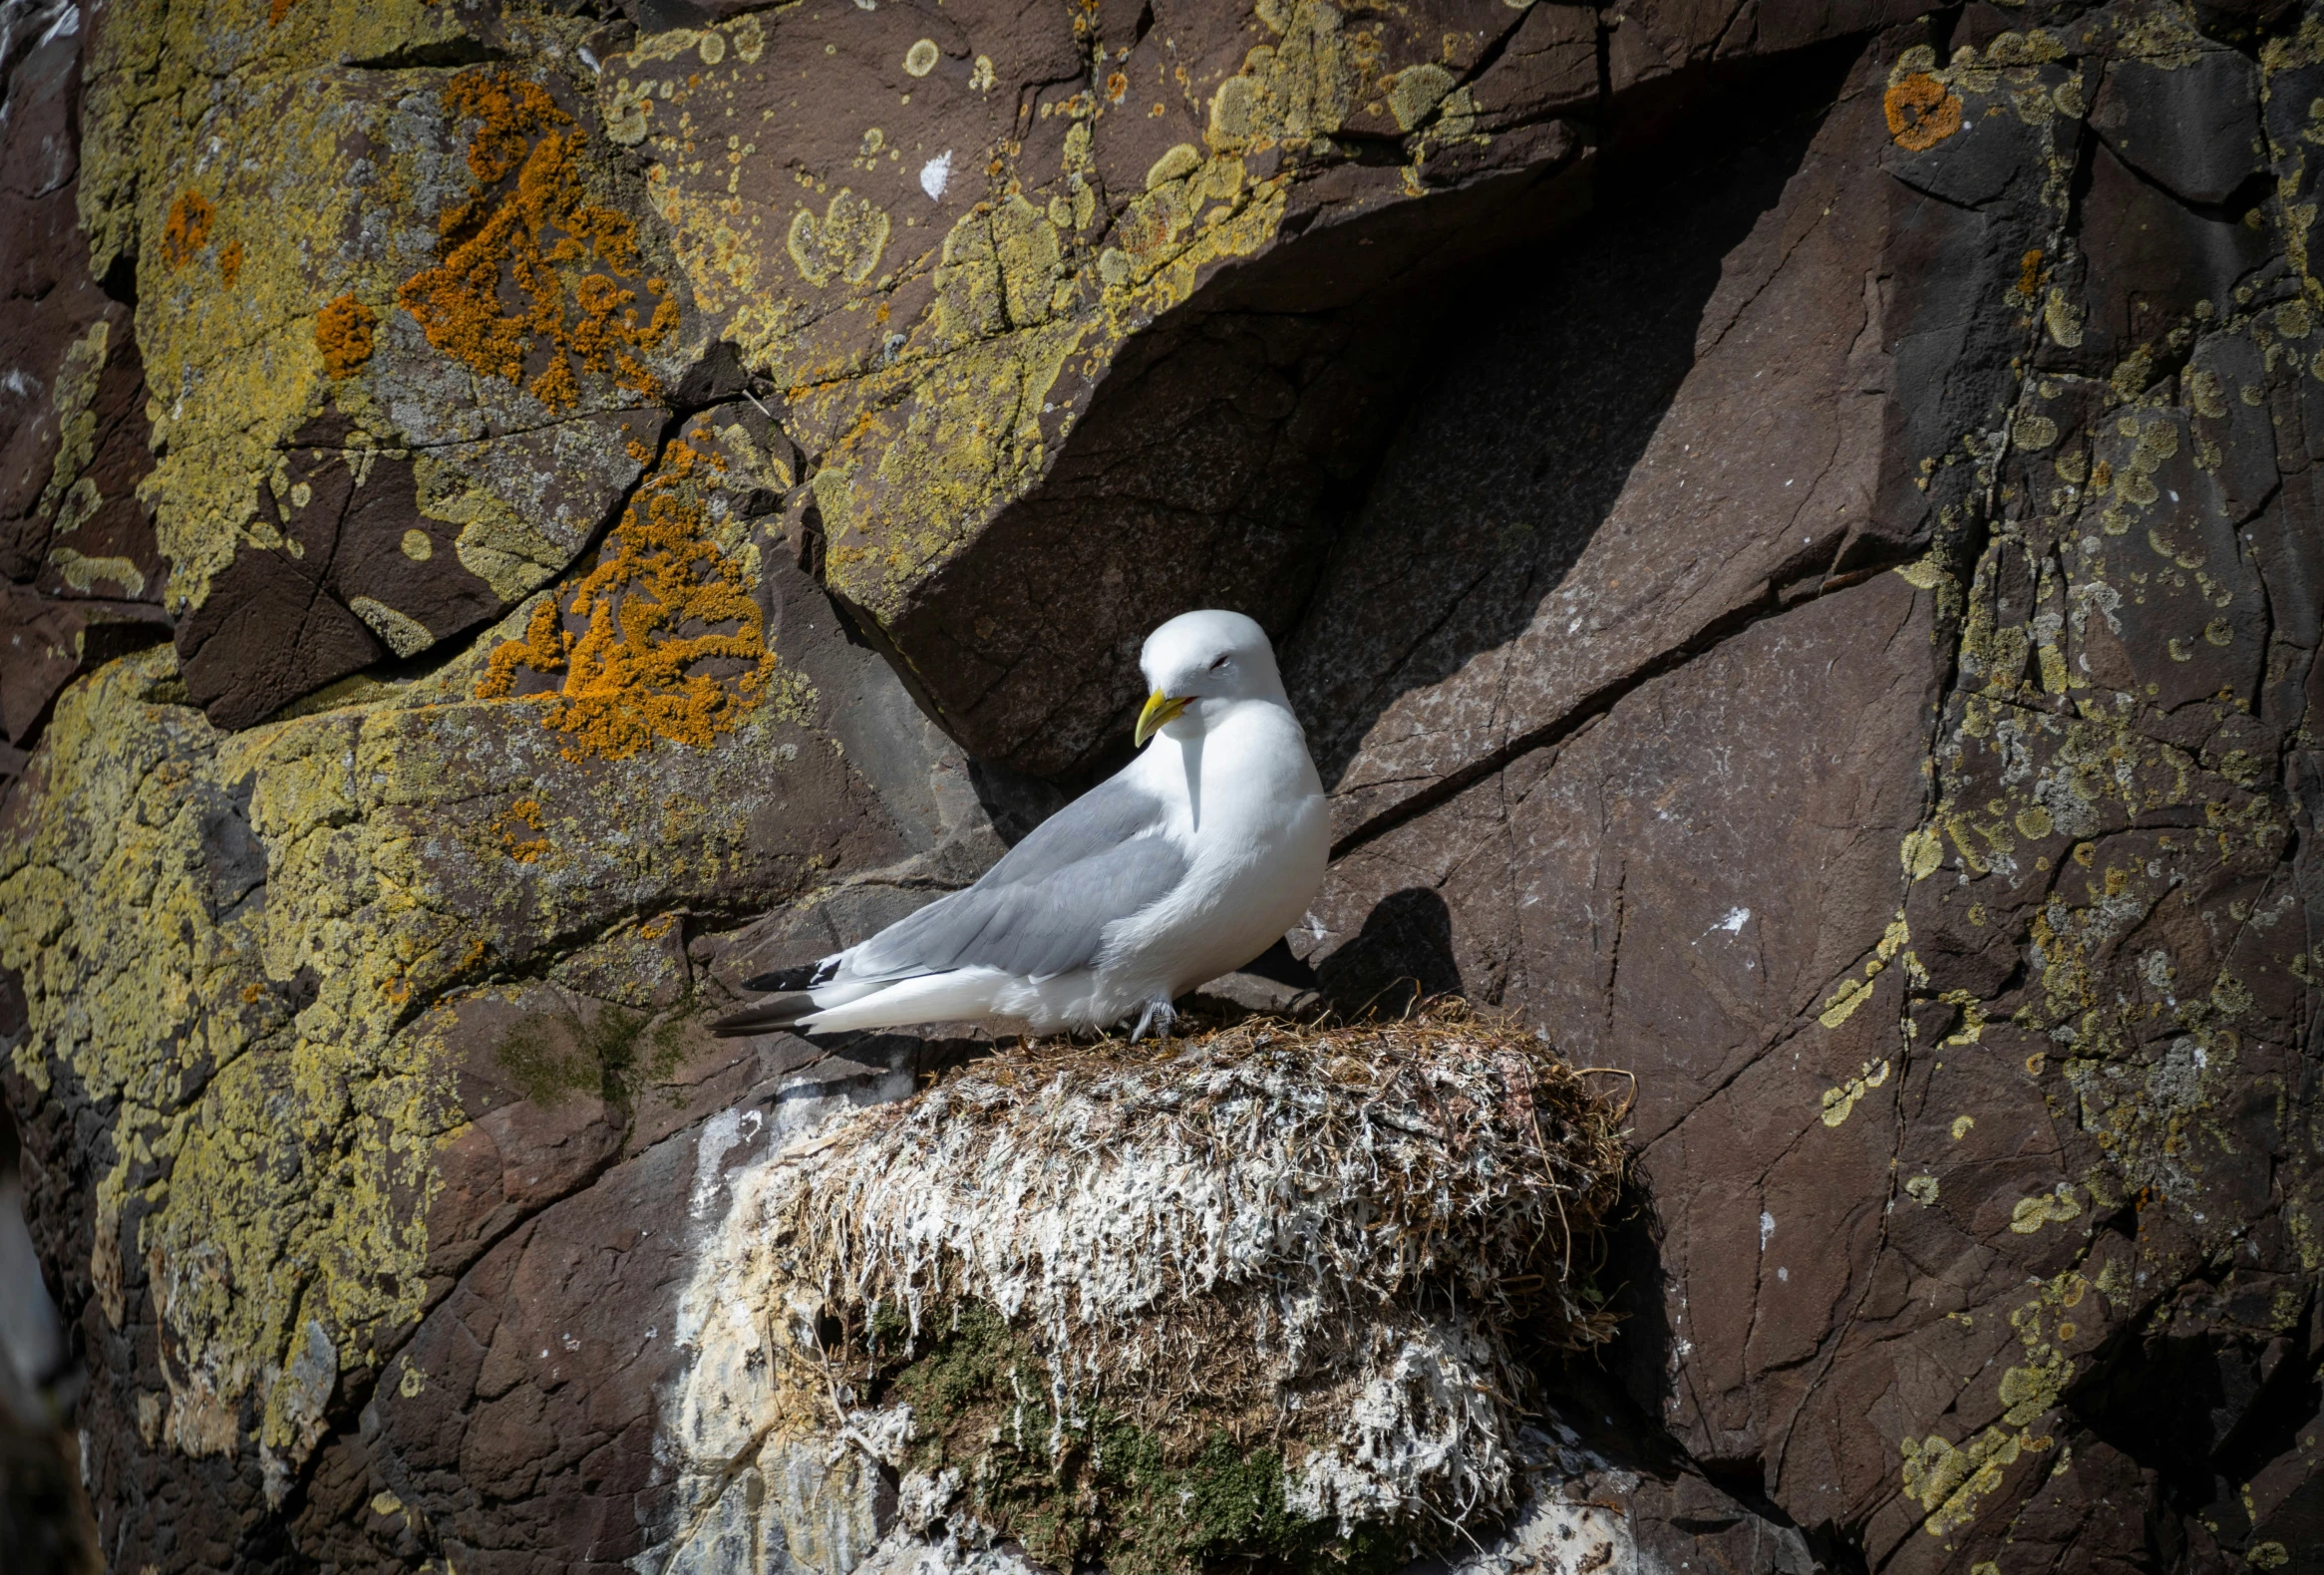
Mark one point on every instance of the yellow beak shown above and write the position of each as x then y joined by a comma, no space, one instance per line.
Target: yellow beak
1159,710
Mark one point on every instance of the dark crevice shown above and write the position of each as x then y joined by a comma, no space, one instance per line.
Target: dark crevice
1490,56
1370,150
2205,1410
119,280
1834,1554
1605,61
439,55
717,379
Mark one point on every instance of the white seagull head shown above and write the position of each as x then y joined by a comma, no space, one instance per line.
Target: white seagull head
1200,665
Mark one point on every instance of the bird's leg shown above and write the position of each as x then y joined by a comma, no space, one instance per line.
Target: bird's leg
1160,1013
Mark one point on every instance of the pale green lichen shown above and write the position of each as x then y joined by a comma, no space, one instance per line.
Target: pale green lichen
1951,1481
143,977
73,395
404,635
925,425
210,103
1840,1102
86,575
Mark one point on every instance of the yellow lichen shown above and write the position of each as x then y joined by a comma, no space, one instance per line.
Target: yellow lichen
2032,1213
343,333
132,980
527,229
844,244
1851,994
925,426
1922,851
671,645
1949,1482
1840,1102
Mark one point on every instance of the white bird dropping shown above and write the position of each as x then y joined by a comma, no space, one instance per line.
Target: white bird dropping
937,174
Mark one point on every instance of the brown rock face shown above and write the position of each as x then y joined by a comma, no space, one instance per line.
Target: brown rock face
1794,531
77,550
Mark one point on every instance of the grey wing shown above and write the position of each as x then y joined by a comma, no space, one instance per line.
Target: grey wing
1044,908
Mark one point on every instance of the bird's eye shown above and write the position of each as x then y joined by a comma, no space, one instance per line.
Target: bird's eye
1220,662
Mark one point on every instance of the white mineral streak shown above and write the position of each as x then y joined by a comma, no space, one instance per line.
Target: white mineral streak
903,1555
754,1502
1574,1520
1245,1224
1557,1535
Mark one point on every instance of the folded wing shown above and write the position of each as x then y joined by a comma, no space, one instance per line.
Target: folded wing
1042,910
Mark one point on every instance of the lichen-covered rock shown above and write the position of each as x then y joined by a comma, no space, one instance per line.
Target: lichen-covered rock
1792,529
82,570
410,992
944,235
406,336
1937,863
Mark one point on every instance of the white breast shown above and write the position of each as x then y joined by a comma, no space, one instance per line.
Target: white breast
1257,832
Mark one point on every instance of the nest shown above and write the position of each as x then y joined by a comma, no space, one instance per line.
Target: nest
1331,1249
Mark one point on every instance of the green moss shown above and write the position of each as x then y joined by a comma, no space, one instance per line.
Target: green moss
1096,1486
965,1366
607,1051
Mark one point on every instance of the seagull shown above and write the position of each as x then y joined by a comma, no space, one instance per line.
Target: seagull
1192,860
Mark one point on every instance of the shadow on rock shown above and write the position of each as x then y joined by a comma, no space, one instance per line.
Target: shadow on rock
1404,954
1511,458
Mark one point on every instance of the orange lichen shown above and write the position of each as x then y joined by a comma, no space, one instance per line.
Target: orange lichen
528,221
342,335
230,264
1921,112
277,10
2029,273
670,644
186,230
520,834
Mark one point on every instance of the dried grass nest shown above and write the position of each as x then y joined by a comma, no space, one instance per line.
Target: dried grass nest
1335,1245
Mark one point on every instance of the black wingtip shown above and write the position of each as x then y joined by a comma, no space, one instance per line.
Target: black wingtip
801,978
764,1017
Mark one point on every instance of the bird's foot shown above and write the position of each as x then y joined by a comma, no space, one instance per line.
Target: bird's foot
1159,1015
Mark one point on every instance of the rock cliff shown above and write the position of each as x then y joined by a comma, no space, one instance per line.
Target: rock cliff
1796,533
